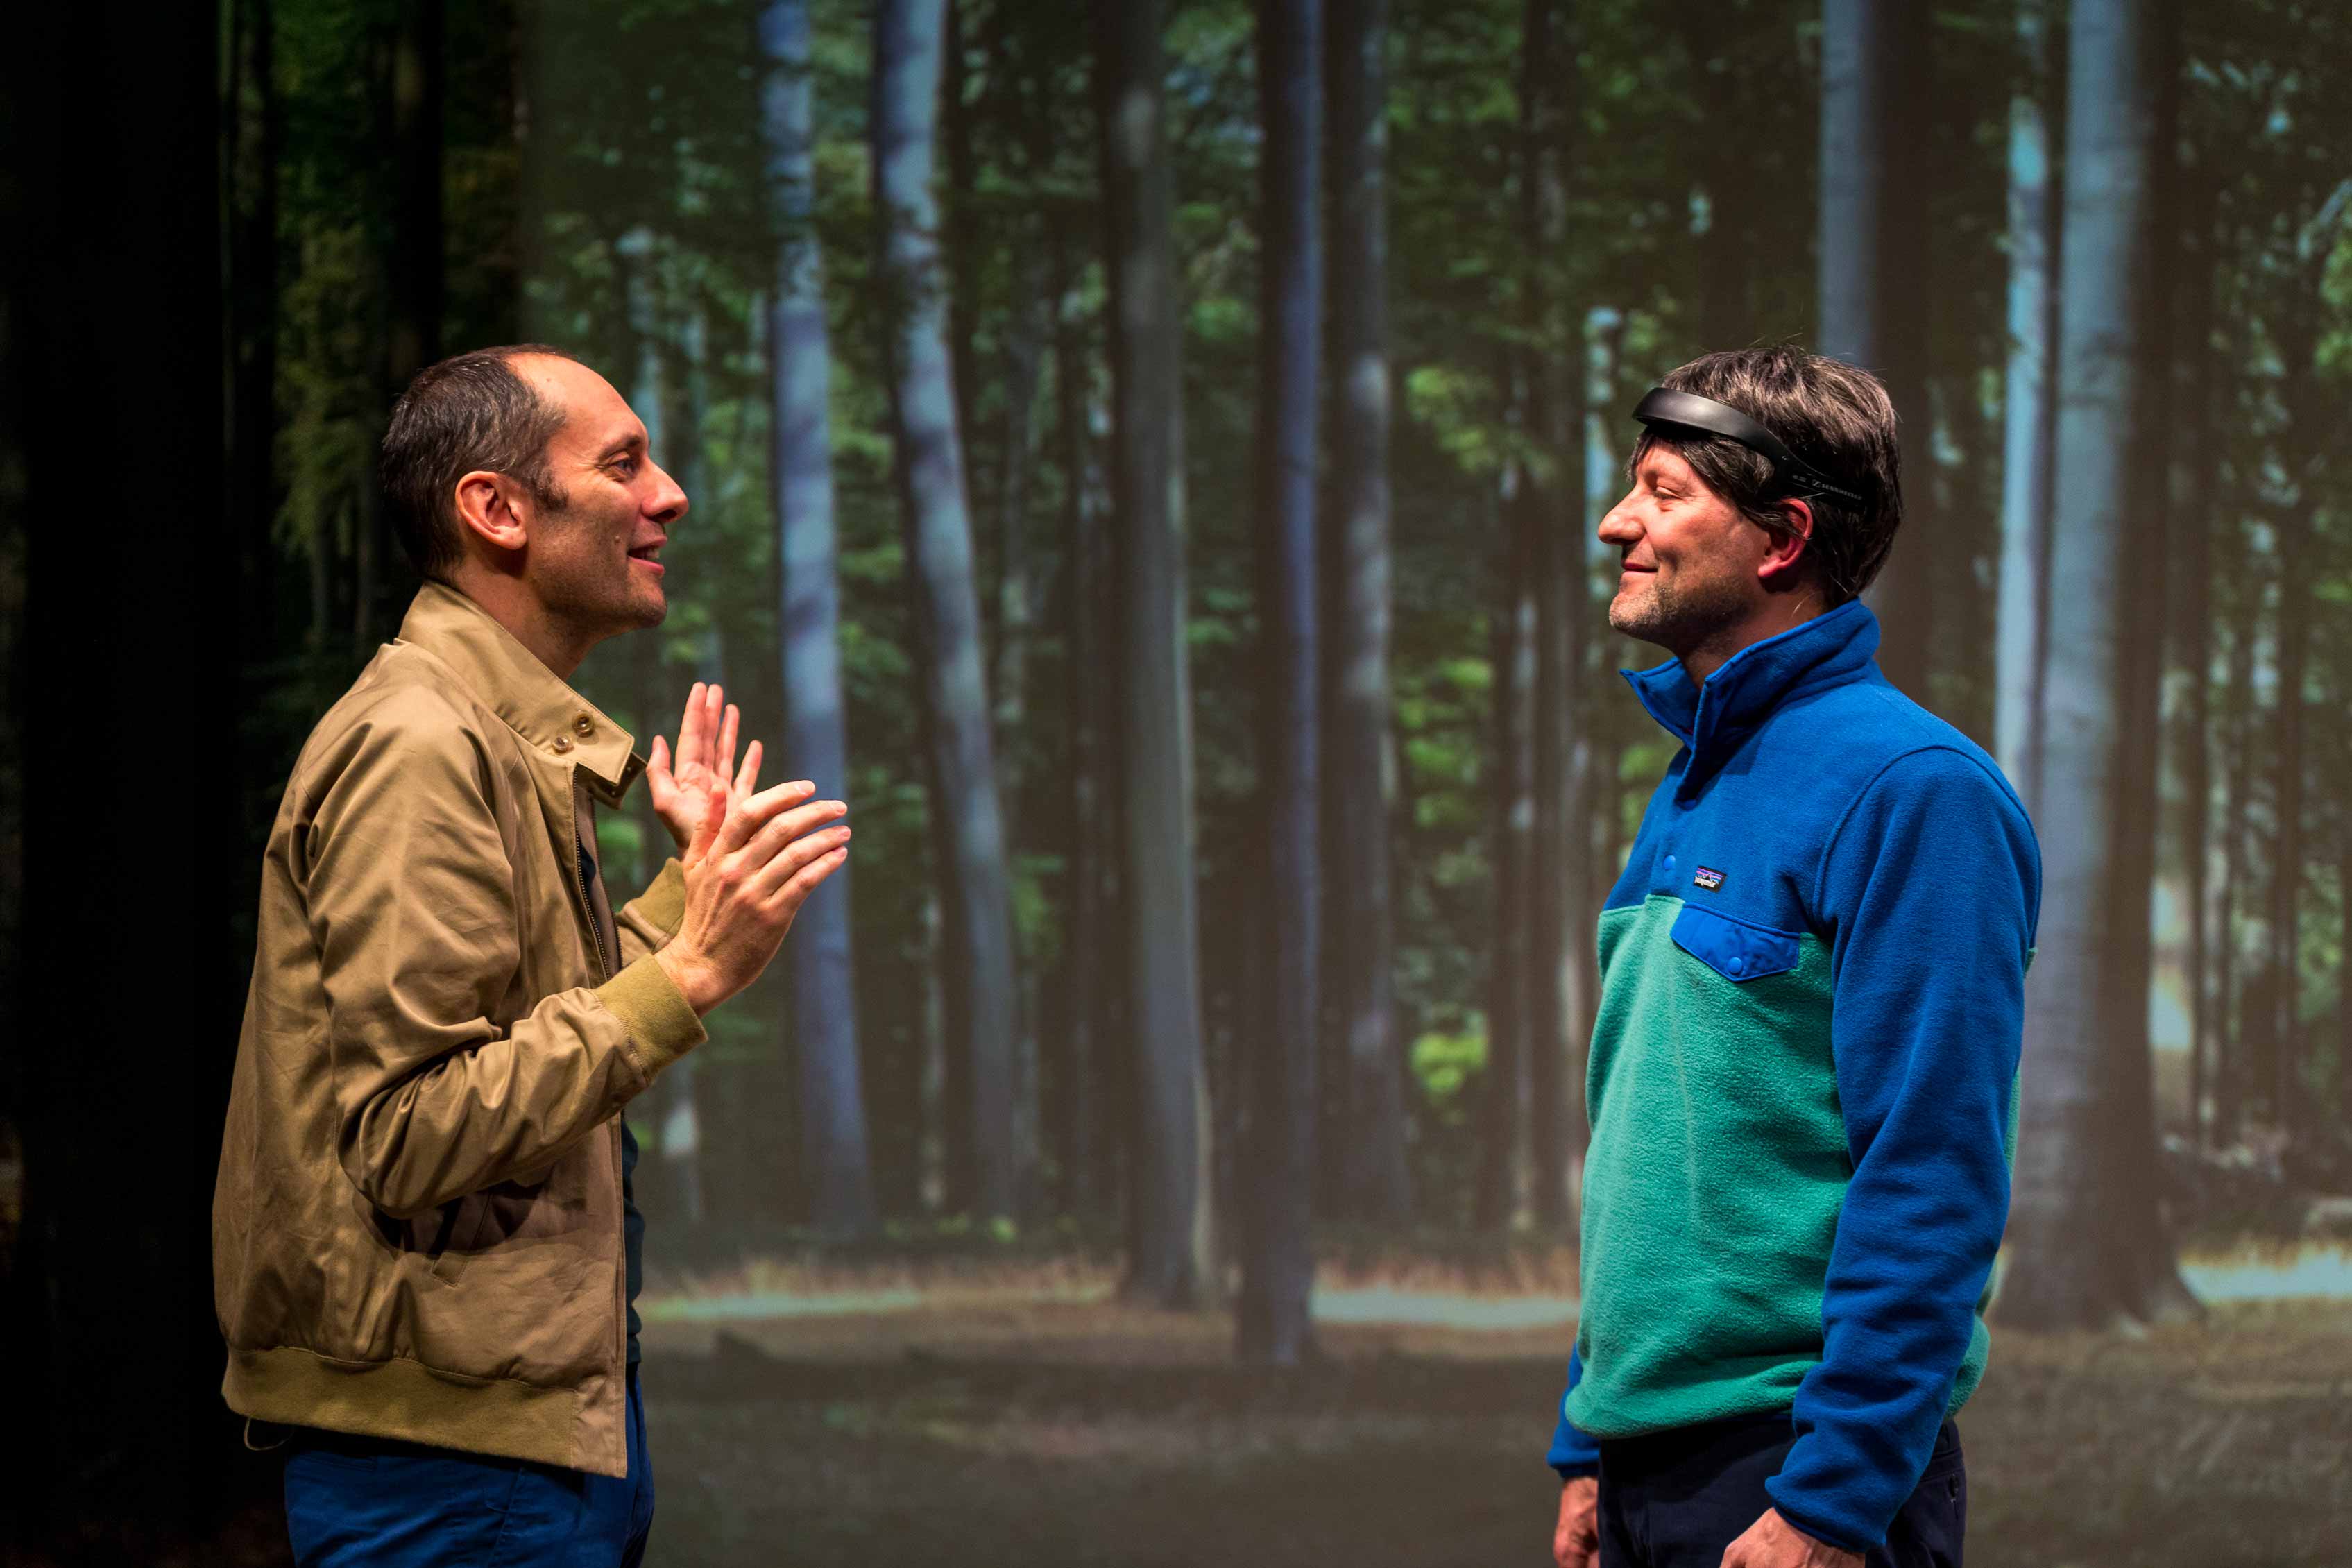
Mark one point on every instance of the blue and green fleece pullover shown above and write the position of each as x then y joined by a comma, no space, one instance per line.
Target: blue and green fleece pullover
1802,1081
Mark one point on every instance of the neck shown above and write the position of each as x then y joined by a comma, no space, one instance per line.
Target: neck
1781,613
509,601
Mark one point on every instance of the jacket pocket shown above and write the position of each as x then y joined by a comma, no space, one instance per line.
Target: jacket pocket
1733,948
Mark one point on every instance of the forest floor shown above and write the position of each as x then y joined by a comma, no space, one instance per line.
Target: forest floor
976,1417
1045,1429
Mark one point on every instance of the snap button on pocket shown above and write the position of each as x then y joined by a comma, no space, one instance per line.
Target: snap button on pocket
1735,949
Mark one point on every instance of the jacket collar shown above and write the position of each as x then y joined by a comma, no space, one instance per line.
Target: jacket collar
1712,718
558,723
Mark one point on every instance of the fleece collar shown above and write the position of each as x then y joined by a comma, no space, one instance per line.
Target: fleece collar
555,720
1712,718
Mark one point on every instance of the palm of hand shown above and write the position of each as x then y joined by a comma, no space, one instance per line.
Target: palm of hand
704,764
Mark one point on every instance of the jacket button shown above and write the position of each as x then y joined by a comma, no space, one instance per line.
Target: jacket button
1670,862
582,724
563,742
1738,965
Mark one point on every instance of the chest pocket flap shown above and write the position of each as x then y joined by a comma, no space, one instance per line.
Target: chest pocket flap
1733,948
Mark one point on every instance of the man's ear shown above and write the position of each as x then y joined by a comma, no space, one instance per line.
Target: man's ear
493,507
1789,546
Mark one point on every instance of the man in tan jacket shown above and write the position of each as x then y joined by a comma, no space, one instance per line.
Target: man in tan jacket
422,1240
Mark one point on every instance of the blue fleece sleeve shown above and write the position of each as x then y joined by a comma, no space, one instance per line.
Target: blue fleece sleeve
1573,1454
1932,887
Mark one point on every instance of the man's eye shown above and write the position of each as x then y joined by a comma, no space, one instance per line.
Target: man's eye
625,467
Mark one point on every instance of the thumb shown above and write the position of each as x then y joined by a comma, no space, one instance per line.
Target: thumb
705,833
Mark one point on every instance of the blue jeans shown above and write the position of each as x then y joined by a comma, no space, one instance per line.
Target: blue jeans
366,1501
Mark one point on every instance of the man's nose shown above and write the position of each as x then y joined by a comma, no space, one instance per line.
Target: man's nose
1618,526
669,501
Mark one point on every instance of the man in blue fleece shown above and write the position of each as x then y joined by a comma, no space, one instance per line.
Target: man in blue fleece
1803,1068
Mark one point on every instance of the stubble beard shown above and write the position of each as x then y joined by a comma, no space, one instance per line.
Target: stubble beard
1677,618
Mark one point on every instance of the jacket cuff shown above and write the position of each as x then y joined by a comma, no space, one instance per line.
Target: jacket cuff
1800,1517
662,903
662,1025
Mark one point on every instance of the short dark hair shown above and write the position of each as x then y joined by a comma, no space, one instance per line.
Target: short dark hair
469,411
1831,415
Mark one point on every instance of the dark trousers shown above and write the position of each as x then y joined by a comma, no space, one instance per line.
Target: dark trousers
1679,1499
352,1500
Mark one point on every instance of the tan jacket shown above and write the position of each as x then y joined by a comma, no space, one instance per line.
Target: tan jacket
416,1232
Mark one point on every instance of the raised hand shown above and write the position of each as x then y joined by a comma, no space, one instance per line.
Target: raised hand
748,870
704,766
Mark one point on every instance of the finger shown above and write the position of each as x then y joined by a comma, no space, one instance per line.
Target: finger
657,765
689,729
796,855
726,764
789,899
749,779
712,700
770,841
751,814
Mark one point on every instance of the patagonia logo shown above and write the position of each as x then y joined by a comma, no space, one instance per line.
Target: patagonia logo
1708,878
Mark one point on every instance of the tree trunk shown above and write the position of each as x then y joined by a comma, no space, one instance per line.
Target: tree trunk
2088,1246
412,274
2028,411
1273,1324
1875,272
1559,982
1504,1169
1081,1103
835,1161
966,822
1171,1258
2189,615
2292,526
1374,1183
2229,1069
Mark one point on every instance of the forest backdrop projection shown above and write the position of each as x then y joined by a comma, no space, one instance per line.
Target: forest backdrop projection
1145,459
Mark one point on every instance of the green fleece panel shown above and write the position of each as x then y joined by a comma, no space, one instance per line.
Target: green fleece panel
1711,1199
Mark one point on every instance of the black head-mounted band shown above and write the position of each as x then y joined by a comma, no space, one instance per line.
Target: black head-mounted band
1688,411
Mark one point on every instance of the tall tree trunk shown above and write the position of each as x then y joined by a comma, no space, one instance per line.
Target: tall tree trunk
1273,1322
2291,520
2190,616
2027,413
1172,1255
2088,1244
1605,481
1374,1184
1874,259
1081,1104
837,1166
1504,1169
1560,984
2229,898
412,271
962,235
967,824
1035,291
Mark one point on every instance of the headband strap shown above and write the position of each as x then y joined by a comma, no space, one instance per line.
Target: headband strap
1688,411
